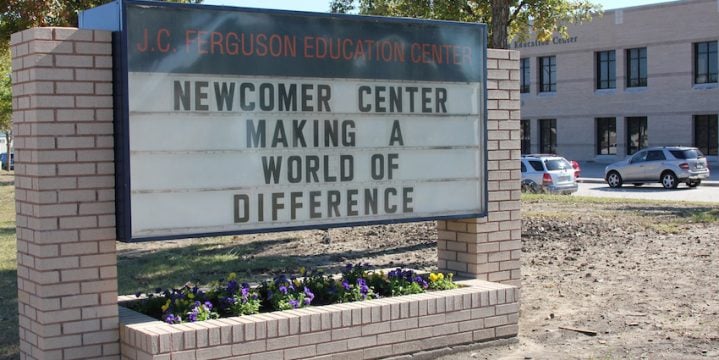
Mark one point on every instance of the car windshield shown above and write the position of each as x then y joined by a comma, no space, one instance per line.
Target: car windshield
557,164
687,154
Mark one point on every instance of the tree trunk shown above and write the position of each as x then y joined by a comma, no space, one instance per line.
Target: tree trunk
500,20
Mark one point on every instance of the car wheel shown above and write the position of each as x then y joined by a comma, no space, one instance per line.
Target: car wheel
693,183
530,187
638,184
614,179
669,180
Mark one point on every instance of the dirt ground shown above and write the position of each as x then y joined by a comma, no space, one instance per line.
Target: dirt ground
643,277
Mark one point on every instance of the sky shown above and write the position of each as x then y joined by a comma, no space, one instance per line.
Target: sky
323,5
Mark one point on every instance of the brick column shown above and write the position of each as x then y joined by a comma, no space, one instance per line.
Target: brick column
64,178
488,248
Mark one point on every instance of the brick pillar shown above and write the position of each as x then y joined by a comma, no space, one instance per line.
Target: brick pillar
488,248
64,178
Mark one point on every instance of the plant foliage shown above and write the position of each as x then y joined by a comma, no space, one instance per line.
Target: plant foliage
507,19
230,298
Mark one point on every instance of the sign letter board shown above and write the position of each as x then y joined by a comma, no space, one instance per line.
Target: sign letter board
239,120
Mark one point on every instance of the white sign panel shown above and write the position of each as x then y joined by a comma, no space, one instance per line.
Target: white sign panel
218,146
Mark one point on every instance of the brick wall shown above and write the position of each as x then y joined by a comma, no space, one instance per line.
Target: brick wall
64,178
489,248
424,325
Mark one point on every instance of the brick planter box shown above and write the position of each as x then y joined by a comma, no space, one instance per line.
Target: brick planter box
480,311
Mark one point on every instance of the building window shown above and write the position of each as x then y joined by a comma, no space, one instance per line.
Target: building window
525,136
548,74
524,75
606,69
706,134
548,136
705,62
606,136
636,134
636,67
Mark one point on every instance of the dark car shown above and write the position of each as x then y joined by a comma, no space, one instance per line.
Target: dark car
3,161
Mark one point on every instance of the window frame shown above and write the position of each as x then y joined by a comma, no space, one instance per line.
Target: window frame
524,76
549,125
525,136
605,126
606,64
548,83
636,67
708,71
643,137
708,132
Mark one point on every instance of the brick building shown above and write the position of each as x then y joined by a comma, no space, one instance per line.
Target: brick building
634,77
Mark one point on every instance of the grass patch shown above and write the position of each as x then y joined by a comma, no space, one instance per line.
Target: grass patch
198,263
579,200
9,339
705,216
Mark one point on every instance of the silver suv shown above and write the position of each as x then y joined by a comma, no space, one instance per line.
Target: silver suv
547,173
668,165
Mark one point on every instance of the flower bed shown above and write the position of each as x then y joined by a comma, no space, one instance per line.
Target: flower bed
227,297
373,328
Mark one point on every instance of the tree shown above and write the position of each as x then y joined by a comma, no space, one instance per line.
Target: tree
17,15
5,100
507,19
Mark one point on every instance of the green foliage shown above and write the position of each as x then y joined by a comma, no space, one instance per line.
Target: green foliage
355,286
5,96
8,276
405,282
229,298
18,15
514,19
705,216
283,293
324,287
437,281
234,299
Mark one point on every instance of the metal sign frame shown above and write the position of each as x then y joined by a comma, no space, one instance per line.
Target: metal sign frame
119,17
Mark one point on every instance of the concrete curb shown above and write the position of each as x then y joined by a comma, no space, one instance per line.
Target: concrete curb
582,180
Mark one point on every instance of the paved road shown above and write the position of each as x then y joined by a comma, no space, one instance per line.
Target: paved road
651,191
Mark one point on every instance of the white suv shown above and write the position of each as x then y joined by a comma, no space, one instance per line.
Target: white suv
547,173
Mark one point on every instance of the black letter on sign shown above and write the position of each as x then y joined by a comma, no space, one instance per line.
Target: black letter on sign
362,106
224,95
277,204
182,94
396,134
200,95
245,208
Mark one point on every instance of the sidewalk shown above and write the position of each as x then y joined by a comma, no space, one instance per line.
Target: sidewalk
593,172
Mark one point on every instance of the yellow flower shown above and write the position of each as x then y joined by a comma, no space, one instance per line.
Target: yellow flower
232,276
432,277
297,283
166,306
440,276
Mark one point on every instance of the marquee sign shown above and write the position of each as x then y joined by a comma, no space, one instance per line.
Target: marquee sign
237,120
